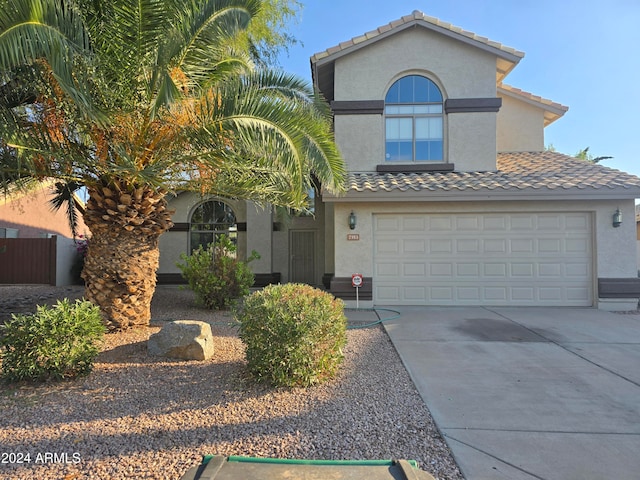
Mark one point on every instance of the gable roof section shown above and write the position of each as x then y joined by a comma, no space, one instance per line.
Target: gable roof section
520,176
552,110
322,63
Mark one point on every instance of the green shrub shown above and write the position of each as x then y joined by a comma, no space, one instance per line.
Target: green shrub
215,275
56,342
293,334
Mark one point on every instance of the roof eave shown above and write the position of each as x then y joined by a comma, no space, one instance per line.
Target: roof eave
541,194
552,110
506,59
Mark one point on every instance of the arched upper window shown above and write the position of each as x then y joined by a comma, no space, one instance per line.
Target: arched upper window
209,220
413,121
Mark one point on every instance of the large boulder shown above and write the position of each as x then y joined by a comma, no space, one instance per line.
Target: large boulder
183,339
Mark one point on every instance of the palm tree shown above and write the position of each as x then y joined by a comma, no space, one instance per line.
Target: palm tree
137,99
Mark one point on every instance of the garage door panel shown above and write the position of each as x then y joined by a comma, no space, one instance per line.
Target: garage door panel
468,270
495,245
414,246
440,246
468,223
490,259
550,222
414,223
579,270
414,270
494,223
548,245
390,270
467,245
521,245
439,294
578,294
439,224
577,245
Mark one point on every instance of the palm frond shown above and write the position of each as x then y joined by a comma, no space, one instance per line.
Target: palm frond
31,30
65,196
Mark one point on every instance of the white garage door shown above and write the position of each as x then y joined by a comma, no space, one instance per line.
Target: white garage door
483,259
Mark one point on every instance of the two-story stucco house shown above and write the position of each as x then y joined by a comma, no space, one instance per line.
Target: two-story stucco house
452,198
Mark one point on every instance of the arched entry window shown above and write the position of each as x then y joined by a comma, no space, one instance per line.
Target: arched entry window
209,220
413,121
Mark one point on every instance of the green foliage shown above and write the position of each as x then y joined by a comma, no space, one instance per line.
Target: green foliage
216,275
293,333
589,157
56,342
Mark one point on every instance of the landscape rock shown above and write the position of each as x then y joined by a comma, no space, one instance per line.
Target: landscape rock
183,339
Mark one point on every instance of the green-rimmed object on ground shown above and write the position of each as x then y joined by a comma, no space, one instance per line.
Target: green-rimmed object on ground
218,467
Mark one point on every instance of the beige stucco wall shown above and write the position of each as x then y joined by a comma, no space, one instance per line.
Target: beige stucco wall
31,214
461,71
472,141
520,126
612,246
360,139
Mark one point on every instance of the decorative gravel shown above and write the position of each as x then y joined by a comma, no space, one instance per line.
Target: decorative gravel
137,416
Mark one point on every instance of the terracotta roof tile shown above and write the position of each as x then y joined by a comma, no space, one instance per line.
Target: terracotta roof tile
532,97
519,171
416,16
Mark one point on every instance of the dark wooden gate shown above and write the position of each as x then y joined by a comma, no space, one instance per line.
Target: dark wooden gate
28,260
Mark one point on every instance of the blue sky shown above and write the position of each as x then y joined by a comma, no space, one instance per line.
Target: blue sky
584,54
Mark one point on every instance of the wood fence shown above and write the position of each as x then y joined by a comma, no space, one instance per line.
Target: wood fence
28,260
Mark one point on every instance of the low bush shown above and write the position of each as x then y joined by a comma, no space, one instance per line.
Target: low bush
293,334
54,343
216,275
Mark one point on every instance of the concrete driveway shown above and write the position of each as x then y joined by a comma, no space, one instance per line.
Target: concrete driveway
528,393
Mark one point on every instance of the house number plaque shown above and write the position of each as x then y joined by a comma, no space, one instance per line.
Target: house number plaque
353,236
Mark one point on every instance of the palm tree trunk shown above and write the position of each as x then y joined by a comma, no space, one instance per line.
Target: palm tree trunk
123,255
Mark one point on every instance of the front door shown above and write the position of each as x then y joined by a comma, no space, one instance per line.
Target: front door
302,266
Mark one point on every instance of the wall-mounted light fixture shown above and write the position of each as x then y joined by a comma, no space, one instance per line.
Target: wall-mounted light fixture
352,221
617,218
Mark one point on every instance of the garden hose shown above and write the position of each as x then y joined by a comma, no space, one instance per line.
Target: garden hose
394,314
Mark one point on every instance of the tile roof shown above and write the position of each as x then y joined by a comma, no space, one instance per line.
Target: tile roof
554,110
526,172
416,15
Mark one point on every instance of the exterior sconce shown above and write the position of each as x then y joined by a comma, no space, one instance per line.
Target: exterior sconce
617,218
352,221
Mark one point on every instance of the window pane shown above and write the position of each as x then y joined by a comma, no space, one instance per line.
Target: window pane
398,152
429,151
391,109
399,129
428,128
434,93
405,153
421,92
406,90
434,108
435,127
422,128
406,129
198,239
392,151
392,94
393,128
422,150
436,150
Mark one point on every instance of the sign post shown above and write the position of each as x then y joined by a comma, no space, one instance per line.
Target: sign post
356,282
